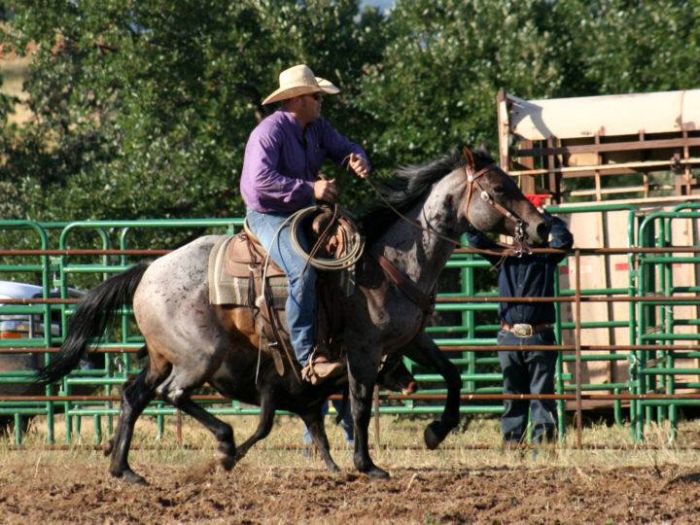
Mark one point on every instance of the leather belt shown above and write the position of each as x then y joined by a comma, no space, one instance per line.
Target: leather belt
525,329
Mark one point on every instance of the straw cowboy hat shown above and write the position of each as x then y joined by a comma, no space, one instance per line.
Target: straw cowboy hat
300,80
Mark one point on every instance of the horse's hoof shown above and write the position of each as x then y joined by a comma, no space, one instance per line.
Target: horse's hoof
228,456
332,467
131,477
228,462
377,473
107,447
434,435
370,469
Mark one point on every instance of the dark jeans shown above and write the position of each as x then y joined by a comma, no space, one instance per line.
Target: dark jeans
528,373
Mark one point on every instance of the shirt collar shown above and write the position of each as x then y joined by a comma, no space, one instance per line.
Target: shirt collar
289,118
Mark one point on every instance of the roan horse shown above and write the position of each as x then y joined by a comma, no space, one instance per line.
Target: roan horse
190,342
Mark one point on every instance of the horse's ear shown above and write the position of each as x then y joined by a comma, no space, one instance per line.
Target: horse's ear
469,157
483,149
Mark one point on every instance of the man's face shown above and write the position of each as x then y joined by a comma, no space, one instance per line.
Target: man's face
307,108
311,106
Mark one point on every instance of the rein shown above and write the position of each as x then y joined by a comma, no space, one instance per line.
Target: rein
415,224
519,246
418,297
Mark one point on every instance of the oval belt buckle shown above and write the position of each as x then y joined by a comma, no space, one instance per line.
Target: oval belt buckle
523,330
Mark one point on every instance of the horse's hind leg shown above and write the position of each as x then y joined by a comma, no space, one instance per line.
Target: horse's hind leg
222,431
196,365
135,398
424,351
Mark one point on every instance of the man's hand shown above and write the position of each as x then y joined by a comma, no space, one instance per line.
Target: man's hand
359,165
325,190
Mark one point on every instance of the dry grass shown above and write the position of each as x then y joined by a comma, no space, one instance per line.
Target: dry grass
401,446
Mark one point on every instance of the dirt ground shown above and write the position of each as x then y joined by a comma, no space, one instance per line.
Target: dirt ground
48,493
468,480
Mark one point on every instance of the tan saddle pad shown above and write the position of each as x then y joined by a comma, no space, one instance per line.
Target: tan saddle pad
236,266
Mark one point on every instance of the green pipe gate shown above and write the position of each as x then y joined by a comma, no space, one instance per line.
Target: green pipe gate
62,256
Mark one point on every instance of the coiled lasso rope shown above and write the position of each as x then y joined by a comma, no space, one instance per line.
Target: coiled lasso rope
354,248
353,252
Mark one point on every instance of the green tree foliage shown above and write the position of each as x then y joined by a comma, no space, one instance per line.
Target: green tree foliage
627,46
445,61
142,108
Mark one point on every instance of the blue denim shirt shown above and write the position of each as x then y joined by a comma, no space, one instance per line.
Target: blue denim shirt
527,276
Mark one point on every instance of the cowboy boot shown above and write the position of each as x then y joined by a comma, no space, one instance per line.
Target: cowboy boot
320,369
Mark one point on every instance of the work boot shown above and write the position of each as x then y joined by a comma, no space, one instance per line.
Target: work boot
320,369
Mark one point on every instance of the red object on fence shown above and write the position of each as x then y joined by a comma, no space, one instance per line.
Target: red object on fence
537,199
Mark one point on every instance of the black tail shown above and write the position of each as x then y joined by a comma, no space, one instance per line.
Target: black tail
91,319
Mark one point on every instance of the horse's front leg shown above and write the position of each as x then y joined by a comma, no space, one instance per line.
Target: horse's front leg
424,351
363,364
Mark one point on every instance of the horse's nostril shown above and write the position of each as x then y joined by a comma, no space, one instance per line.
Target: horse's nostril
543,230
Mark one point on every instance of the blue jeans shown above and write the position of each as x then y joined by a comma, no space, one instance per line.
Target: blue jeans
528,373
301,301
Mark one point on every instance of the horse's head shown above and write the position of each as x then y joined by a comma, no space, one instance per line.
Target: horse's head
492,202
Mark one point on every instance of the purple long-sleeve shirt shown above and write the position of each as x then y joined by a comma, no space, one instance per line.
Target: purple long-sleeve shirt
282,161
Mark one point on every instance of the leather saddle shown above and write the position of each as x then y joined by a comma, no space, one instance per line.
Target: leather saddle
238,265
245,253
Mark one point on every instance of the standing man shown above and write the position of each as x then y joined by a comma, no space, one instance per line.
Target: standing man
527,324
281,175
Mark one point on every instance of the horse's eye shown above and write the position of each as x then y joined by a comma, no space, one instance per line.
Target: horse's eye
499,190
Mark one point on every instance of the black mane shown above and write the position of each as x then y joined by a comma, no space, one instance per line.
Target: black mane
407,186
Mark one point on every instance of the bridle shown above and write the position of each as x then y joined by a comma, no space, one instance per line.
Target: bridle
519,246
473,183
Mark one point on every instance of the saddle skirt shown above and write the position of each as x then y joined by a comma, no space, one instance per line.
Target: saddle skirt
236,266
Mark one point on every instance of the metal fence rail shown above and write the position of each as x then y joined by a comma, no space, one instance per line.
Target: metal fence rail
466,323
